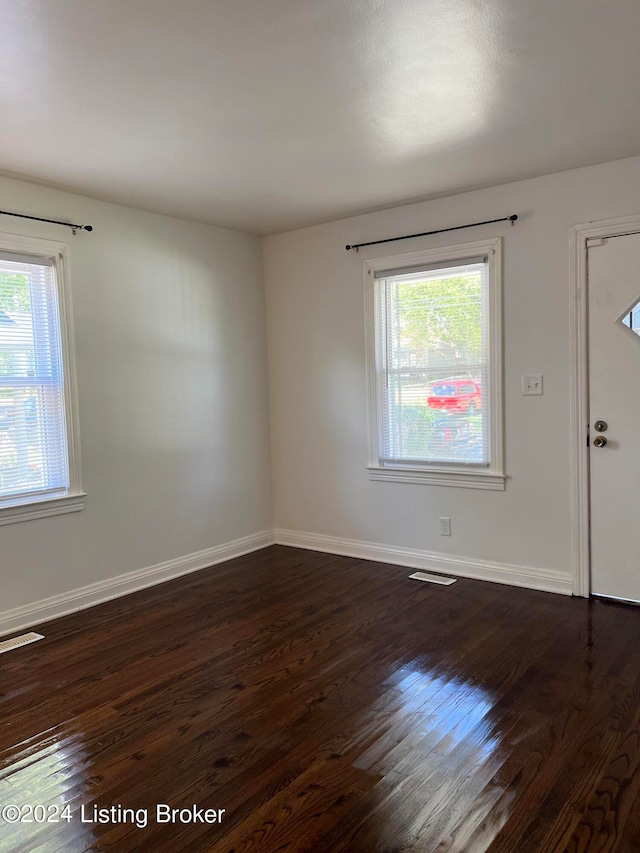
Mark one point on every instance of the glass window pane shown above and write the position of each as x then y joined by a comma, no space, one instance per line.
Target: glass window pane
632,319
33,455
433,366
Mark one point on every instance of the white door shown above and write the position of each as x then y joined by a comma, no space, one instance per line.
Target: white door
614,401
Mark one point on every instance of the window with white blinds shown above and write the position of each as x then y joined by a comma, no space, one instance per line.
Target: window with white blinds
34,453
433,365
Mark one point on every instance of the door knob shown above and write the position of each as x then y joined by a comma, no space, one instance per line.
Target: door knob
599,441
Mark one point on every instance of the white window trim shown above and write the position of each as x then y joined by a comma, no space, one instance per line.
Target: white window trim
492,477
38,506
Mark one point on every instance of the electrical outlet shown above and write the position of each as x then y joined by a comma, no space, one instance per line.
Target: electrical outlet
532,385
445,527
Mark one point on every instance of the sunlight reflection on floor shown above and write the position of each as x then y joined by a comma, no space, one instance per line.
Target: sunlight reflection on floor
436,724
45,771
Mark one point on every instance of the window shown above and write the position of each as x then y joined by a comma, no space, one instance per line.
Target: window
631,318
39,458
434,363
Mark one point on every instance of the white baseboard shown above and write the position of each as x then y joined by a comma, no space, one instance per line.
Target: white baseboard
548,580
95,593
46,609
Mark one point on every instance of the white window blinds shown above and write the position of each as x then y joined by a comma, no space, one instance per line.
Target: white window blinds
33,451
432,364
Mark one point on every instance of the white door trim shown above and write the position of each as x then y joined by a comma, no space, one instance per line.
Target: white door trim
578,317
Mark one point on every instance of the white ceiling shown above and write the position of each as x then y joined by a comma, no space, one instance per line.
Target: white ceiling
267,115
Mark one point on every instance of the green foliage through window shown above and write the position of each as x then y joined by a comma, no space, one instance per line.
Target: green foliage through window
441,315
15,297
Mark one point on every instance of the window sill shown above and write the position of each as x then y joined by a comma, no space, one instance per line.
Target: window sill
42,508
489,480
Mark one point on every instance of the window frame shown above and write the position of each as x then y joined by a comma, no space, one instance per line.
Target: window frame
461,475
27,507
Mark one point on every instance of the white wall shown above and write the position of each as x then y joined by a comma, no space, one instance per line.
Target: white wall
315,327
171,362
171,357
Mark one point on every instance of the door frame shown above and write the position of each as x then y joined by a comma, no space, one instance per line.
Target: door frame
579,394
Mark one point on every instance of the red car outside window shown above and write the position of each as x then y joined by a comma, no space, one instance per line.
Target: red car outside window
455,395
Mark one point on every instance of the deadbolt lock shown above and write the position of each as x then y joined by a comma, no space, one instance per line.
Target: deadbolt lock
599,441
601,426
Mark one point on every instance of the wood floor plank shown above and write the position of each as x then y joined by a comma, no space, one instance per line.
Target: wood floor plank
328,704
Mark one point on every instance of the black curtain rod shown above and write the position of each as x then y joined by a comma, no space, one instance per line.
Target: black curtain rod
52,221
357,246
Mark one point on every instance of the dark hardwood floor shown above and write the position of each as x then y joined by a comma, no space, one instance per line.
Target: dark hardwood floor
327,704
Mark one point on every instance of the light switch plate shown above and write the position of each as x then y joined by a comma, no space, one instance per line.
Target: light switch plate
532,385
